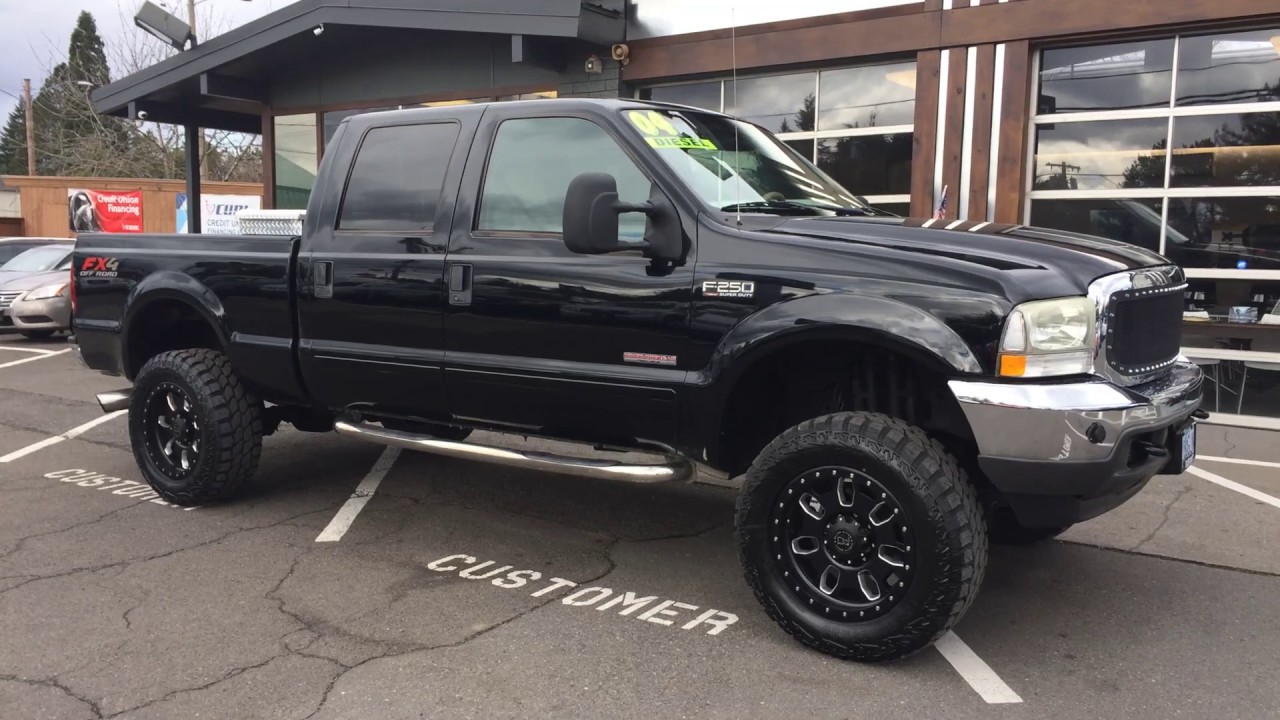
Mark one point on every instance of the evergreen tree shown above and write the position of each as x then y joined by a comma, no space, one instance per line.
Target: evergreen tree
13,143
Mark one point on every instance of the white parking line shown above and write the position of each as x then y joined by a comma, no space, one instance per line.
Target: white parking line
341,522
1238,461
11,363
1233,485
40,351
73,432
977,673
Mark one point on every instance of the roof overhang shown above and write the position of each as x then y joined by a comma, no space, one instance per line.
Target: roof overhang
223,83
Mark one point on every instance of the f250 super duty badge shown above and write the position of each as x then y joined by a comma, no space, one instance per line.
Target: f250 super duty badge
729,288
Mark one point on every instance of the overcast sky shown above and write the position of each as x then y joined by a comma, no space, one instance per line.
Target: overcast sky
34,33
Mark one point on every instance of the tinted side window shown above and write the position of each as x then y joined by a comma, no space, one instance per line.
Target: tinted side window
397,178
532,164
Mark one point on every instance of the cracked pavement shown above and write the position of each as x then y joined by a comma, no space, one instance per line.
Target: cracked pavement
114,606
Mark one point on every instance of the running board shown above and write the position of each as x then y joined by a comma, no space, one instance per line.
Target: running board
673,470
115,400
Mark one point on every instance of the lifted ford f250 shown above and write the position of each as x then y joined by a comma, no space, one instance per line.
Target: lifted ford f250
654,277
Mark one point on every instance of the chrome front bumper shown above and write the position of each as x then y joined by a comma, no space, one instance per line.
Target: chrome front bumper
1065,452
1074,422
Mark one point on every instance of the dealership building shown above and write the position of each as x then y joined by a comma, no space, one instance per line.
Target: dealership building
1155,123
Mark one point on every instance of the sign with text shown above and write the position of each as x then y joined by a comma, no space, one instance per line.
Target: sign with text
106,211
217,213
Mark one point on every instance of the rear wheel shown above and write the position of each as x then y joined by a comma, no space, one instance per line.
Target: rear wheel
861,536
196,432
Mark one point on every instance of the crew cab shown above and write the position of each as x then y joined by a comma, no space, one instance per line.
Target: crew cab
641,276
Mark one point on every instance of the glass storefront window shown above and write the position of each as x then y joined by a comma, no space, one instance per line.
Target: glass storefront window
1134,221
870,96
855,123
779,103
1231,329
1232,68
1241,233
1103,155
875,164
1120,76
701,95
296,159
1226,150
1179,152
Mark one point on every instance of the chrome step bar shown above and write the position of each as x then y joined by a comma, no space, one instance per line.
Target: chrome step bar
115,400
672,470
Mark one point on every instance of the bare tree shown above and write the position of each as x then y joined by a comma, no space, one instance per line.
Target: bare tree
227,155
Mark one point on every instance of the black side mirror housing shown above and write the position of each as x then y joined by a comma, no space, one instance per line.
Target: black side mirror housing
591,210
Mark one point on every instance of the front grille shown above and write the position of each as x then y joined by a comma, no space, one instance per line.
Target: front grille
1146,330
7,298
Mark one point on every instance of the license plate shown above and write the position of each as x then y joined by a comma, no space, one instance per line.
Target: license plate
1188,445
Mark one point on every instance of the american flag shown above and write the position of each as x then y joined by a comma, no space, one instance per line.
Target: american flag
941,212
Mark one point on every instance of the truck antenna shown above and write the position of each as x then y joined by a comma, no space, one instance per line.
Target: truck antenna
737,156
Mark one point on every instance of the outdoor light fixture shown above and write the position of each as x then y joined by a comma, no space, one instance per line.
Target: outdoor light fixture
593,65
165,27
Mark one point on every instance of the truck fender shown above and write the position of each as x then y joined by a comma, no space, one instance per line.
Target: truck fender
180,287
839,315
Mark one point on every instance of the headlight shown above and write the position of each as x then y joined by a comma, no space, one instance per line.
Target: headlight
46,292
1048,337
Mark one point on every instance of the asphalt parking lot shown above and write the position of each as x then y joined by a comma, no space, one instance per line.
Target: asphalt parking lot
464,590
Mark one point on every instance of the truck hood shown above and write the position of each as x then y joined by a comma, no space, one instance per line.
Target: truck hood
31,280
1045,262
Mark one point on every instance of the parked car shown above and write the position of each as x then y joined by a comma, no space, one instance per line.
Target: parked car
896,391
11,246
44,305
36,281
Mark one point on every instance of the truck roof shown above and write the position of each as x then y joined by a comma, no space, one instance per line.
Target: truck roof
569,104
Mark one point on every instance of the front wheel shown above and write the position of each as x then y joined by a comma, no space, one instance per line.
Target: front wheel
196,431
861,536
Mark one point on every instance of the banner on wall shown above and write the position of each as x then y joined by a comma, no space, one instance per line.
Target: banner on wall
107,211
217,213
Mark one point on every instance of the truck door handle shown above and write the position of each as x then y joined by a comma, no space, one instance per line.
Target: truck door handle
322,278
459,284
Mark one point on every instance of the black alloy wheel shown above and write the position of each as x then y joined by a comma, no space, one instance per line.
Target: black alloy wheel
861,536
196,431
840,534
173,440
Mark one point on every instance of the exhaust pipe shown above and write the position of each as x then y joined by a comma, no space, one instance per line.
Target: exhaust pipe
672,470
115,400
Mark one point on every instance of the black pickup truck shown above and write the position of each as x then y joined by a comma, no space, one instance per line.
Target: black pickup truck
639,276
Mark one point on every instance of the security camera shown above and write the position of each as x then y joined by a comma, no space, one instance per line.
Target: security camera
593,65
319,30
622,53
142,114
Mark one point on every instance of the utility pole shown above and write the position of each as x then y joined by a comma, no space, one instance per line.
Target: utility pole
204,148
31,127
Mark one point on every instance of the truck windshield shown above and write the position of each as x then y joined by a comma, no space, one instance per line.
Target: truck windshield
37,259
736,166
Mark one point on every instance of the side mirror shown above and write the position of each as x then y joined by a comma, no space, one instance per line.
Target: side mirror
591,214
591,210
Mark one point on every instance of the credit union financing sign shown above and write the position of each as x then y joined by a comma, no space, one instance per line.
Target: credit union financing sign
217,213
106,211
656,18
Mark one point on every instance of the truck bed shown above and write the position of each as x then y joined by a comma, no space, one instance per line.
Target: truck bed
243,283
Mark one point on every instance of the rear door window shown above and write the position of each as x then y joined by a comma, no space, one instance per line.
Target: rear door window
397,179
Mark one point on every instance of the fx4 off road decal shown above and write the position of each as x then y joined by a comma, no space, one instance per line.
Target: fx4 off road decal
729,288
103,267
